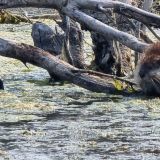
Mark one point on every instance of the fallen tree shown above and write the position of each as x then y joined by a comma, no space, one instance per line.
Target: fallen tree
55,66
75,9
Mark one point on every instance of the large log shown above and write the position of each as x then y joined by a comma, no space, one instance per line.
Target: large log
107,31
73,9
55,66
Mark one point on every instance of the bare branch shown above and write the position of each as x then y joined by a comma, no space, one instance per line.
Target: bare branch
107,31
70,9
119,7
127,10
104,75
55,66
154,33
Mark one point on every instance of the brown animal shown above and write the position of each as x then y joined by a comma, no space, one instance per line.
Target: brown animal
148,71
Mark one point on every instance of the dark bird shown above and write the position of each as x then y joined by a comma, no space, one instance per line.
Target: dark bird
148,71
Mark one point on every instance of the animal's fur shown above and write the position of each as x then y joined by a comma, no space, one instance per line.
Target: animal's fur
148,70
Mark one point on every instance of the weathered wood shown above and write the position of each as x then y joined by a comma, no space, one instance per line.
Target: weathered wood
105,59
74,42
107,31
47,38
72,8
76,45
104,75
109,53
119,7
1,85
55,66
53,39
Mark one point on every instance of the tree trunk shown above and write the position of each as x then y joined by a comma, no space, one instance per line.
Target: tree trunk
147,4
55,66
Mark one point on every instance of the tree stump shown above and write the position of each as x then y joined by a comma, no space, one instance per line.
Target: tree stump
47,38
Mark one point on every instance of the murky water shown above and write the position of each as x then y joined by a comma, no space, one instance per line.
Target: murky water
62,121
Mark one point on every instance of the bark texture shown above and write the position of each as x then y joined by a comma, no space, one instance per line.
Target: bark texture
74,9
55,66
71,8
47,38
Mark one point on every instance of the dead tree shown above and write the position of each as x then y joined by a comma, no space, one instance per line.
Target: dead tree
147,4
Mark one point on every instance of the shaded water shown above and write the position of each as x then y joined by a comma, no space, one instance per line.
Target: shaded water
39,121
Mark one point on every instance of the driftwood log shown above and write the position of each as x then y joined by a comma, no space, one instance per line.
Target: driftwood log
55,66
73,45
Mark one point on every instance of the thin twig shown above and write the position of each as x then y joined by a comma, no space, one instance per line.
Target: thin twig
154,33
103,75
26,16
88,43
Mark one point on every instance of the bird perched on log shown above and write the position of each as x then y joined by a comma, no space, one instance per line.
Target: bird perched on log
147,73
